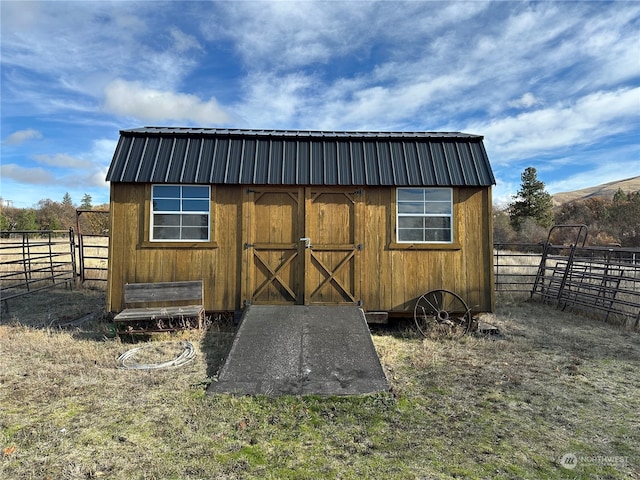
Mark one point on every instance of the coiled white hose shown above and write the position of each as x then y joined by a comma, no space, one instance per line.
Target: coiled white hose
185,357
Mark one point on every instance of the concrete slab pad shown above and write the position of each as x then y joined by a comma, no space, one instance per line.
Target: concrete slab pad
302,350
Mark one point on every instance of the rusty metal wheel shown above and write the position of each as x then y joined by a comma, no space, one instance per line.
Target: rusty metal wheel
442,313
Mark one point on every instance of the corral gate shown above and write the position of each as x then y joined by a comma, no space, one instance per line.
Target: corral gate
93,244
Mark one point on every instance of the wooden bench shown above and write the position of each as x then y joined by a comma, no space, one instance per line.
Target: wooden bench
188,313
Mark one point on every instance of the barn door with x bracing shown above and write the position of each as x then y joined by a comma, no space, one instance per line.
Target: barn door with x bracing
332,256
303,246
274,265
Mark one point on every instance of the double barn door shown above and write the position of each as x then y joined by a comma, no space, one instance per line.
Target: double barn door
302,246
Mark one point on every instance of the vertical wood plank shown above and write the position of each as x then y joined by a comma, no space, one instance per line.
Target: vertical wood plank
358,218
488,287
310,225
116,245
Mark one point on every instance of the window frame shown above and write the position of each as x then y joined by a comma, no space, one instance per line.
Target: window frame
451,215
180,212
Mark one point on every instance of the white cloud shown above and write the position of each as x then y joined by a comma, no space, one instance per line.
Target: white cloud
66,53
183,42
430,73
273,101
527,100
502,193
133,99
86,170
21,136
93,176
62,160
290,35
27,175
102,151
593,117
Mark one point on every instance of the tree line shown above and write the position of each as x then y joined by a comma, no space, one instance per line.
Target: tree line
48,214
527,219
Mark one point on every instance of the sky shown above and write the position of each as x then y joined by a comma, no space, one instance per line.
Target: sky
550,85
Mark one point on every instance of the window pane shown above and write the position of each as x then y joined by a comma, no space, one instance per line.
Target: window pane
410,194
441,235
195,205
437,194
166,220
410,222
409,207
195,220
437,222
165,205
195,233
195,192
438,207
166,191
410,235
166,233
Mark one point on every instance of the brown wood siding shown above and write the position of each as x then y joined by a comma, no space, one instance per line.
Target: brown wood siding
390,277
132,259
393,277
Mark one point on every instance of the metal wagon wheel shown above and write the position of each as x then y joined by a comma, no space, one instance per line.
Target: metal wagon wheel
442,313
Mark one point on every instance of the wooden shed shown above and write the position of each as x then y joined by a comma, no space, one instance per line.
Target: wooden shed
302,217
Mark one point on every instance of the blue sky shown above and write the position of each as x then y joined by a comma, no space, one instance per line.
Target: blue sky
552,85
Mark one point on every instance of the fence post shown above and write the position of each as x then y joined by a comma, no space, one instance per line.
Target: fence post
81,256
541,268
26,259
51,267
72,250
565,275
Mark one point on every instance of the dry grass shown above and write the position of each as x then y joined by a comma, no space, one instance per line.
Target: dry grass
508,407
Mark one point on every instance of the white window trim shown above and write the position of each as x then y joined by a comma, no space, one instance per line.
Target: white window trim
439,215
181,212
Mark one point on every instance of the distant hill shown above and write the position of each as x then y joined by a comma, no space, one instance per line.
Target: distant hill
606,190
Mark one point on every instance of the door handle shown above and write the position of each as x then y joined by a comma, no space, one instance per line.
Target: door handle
307,242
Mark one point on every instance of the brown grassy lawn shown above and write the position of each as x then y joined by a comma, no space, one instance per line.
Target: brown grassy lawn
554,384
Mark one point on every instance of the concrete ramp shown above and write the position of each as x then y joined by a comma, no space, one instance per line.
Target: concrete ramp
302,350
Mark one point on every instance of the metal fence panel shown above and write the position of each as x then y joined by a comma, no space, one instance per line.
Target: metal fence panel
35,260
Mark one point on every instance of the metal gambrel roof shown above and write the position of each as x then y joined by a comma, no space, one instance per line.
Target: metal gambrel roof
294,157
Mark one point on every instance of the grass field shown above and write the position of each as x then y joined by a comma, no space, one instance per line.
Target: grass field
553,384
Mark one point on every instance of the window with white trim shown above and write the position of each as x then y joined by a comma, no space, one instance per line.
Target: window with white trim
424,215
180,213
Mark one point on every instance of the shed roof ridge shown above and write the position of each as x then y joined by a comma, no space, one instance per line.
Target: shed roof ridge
298,133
